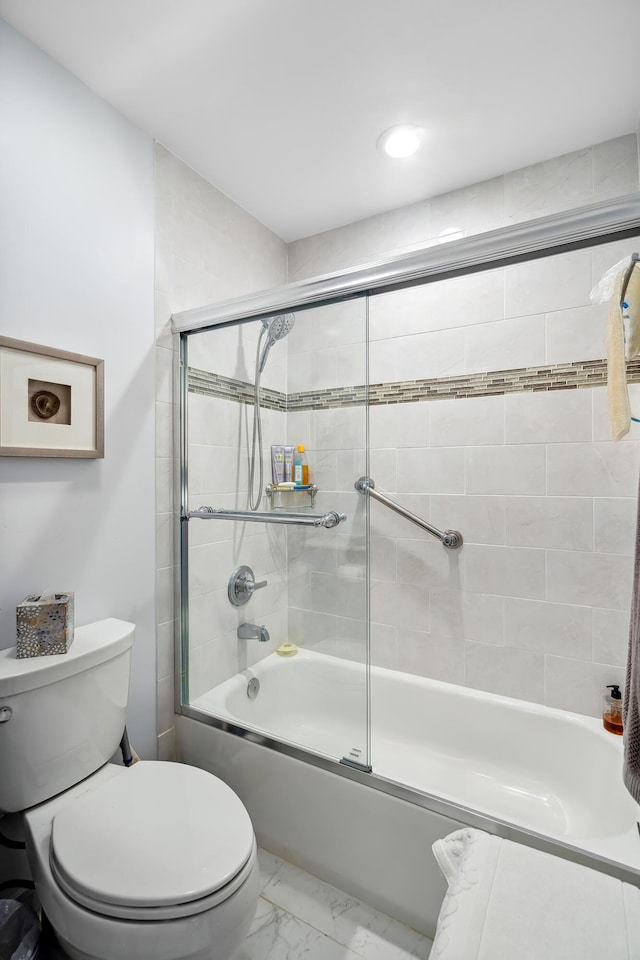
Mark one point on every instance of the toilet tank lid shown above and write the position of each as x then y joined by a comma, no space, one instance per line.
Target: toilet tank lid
93,644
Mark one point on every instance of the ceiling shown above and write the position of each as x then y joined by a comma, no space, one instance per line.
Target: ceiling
279,103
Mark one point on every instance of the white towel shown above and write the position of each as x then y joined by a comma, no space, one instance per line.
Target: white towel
619,409
632,299
509,901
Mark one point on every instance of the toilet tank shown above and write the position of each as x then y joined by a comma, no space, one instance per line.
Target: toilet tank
62,716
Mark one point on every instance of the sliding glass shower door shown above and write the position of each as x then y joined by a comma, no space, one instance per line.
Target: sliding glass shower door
274,590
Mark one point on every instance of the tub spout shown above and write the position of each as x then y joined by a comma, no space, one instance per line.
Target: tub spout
251,631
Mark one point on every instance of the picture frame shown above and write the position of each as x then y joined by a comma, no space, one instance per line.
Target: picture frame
51,402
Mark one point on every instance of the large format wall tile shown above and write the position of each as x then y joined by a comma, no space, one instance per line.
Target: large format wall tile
560,522
505,670
517,455
544,499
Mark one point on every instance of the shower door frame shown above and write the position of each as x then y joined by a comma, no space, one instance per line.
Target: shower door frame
580,228
181,658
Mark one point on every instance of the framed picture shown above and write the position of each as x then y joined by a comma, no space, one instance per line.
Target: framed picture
51,402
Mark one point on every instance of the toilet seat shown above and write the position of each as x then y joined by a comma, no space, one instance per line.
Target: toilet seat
160,841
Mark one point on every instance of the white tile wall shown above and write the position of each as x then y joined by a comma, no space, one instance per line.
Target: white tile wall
554,417
508,671
545,500
606,170
511,470
467,422
576,334
535,603
550,522
505,344
207,249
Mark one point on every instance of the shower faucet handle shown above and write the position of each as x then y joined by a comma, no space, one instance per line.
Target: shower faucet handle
242,586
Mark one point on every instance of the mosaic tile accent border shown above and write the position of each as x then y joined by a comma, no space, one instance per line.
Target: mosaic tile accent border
225,388
558,376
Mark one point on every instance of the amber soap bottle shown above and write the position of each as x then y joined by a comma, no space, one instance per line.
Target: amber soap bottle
612,710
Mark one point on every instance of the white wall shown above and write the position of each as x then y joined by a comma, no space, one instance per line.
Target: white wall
76,273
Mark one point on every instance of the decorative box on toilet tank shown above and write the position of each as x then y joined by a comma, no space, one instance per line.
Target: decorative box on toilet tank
44,625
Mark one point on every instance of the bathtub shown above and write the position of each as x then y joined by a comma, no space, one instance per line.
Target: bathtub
554,773
442,757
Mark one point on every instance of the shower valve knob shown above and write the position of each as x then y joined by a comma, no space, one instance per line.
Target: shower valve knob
242,586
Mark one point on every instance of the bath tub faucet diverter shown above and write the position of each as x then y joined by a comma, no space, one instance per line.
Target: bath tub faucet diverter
251,631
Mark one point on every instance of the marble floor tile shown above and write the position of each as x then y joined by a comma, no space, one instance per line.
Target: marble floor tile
316,906
277,935
269,865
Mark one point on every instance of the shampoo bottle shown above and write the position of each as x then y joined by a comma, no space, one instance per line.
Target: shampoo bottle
612,710
301,468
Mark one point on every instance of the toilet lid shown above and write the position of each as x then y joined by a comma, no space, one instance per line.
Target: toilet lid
158,834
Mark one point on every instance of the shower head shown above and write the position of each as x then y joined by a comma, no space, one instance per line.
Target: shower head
276,328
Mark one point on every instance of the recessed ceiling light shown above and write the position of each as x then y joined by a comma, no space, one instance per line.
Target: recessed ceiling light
401,141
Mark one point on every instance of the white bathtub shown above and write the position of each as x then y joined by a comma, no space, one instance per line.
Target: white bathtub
553,773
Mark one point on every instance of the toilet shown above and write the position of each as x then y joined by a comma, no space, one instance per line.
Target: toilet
156,861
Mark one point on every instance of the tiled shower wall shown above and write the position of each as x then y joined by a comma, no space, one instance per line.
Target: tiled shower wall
207,249
535,605
471,620
220,432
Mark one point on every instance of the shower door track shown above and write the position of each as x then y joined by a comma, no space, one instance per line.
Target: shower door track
571,230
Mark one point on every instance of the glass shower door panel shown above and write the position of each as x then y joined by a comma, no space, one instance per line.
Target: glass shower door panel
328,570
301,632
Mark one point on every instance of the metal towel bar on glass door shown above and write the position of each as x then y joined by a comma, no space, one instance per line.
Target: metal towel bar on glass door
328,520
448,538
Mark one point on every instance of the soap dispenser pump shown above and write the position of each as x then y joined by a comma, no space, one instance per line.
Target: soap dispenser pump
612,710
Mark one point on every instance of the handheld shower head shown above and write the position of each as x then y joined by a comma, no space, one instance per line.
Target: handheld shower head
276,328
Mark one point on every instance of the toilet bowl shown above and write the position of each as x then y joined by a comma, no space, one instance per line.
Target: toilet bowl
156,861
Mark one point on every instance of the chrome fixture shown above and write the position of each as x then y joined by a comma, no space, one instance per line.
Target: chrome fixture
253,688
449,538
328,520
273,489
275,328
251,631
242,586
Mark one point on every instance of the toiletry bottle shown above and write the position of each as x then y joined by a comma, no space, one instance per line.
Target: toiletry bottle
301,468
612,709
288,464
277,463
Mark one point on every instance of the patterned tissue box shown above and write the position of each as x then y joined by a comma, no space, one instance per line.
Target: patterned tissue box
45,625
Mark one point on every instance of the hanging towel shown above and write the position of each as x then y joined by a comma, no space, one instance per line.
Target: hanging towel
632,299
631,703
619,409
